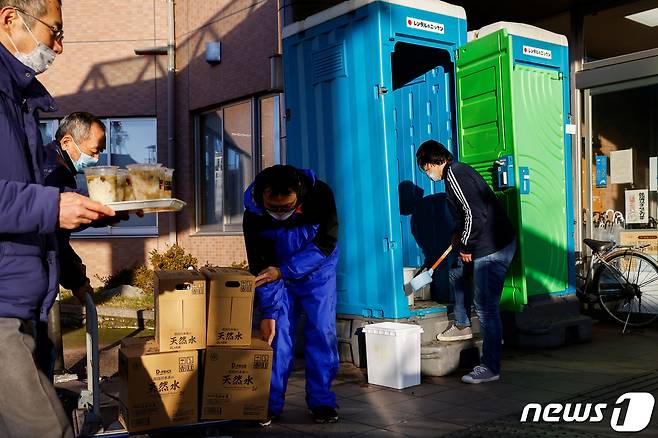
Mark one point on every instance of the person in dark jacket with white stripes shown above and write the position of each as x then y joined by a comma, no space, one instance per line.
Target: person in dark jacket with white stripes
486,242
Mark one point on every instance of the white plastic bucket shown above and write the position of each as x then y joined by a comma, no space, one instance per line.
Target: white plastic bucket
393,354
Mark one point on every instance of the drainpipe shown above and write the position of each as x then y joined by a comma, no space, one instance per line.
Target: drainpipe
170,51
279,25
171,108
280,5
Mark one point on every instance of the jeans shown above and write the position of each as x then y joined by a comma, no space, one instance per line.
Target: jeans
485,277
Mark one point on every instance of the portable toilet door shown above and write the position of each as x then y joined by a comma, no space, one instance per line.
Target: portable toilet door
358,104
424,99
423,110
513,104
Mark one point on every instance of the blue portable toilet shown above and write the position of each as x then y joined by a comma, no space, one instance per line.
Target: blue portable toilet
366,82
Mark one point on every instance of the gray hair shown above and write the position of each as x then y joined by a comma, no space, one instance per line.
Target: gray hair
38,8
77,125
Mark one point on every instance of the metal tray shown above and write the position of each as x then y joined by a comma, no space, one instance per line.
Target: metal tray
149,205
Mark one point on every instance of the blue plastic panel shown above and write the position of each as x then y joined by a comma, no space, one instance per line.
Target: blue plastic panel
505,172
524,180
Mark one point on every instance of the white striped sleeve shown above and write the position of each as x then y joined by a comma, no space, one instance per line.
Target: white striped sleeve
468,214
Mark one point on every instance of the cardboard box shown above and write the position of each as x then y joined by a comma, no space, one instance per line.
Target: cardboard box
230,306
236,382
641,237
180,310
157,389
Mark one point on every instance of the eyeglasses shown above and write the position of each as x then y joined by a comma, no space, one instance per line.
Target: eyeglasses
58,33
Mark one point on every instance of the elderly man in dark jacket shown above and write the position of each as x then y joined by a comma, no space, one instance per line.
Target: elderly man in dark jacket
30,38
79,141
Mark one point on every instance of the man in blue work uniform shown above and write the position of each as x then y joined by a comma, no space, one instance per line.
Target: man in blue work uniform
291,231
486,242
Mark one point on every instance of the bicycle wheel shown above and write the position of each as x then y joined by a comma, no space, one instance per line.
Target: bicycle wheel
627,286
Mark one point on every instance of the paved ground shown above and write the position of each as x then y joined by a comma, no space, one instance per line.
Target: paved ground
596,372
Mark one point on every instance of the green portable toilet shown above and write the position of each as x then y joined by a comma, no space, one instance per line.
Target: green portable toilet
513,107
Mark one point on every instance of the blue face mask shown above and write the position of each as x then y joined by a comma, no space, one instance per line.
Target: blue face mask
84,160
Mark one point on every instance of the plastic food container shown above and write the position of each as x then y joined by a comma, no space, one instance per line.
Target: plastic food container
124,188
166,179
145,180
102,183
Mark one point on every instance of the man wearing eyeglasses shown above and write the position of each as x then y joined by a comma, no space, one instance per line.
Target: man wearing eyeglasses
291,232
30,39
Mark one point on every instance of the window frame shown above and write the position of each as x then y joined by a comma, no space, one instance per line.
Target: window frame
201,229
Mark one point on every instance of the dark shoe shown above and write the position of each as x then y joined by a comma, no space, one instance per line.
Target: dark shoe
324,414
266,422
480,374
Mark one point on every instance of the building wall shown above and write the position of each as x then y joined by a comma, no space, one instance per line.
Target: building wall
100,73
247,30
98,70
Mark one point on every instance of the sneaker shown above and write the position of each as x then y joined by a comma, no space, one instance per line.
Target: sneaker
324,414
266,422
480,374
455,333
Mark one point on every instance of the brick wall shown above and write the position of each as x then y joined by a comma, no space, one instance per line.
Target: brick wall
98,70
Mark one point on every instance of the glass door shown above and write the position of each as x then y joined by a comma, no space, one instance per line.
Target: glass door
620,162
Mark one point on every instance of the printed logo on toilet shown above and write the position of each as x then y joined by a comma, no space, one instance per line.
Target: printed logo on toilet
429,26
537,52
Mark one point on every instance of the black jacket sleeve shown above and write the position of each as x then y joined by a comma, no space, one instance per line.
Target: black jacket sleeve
325,213
73,273
260,250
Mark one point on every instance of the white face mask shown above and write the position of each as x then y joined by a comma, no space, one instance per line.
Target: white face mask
433,174
281,216
38,59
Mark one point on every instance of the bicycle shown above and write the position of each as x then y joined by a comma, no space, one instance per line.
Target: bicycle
622,280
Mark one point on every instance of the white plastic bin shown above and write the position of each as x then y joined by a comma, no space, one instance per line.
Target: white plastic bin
393,354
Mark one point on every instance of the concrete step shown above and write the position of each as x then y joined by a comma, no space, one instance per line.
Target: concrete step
441,358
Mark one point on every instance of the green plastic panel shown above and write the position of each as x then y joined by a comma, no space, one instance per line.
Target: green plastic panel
537,99
485,130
